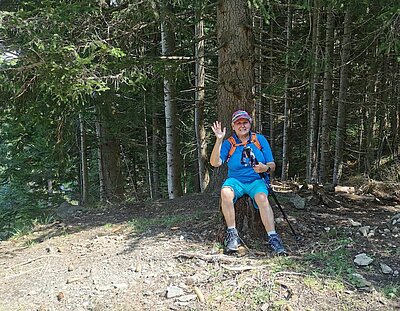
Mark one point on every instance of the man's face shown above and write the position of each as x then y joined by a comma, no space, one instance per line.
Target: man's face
241,126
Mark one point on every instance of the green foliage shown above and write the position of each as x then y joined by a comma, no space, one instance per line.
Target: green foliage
336,263
80,57
20,210
392,291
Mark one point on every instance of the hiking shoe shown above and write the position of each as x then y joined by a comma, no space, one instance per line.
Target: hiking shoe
232,241
276,244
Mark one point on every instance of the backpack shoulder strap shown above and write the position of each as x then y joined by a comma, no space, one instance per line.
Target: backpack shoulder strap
233,147
255,140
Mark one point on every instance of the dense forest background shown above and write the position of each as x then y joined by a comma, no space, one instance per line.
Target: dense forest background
104,101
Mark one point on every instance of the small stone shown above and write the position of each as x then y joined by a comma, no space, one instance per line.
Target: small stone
385,269
60,296
361,281
354,223
265,307
174,291
364,230
397,216
363,260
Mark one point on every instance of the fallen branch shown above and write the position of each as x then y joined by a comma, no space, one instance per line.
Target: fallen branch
241,268
199,294
33,259
208,258
21,273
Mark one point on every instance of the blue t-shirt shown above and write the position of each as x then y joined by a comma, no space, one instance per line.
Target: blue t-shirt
236,169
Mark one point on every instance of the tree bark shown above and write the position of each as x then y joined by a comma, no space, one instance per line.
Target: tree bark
327,97
235,59
147,144
201,142
341,114
172,144
258,72
84,175
314,105
110,164
286,113
155,155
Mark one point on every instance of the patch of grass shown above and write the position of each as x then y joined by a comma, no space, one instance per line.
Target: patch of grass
392,291
335,285
260,295
30,243
25,227
20,230
142,224
218,247
312,282
282,263
336,262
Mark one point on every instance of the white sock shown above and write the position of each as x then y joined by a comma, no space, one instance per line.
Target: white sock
230,228
271,232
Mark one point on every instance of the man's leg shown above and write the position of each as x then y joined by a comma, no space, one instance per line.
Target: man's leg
227,206
266,212
267,218
232,240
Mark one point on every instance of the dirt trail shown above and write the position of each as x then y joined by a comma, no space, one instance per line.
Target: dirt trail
164,256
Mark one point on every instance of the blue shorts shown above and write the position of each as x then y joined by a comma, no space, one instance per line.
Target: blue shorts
251,189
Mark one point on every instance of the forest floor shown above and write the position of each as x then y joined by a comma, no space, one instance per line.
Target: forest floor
166,255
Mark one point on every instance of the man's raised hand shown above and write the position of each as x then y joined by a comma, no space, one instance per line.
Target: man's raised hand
219,133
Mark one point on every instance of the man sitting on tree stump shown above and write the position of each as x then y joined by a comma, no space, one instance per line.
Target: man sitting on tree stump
248,156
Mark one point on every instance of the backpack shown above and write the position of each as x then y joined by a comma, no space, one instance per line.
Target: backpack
233,143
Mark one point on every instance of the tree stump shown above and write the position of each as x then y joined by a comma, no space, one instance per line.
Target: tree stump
248,221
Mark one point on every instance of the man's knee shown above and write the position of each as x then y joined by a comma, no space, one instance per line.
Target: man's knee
261,196
227,194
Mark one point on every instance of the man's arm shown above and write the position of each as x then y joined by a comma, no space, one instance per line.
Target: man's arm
215,158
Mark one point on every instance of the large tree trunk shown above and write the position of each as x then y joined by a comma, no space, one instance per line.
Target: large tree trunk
172,144
369,108
271,100
314,105
110,166
286,113
235,68
395,124
235,76
200,131
341,114
235,59
258,19
327,97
